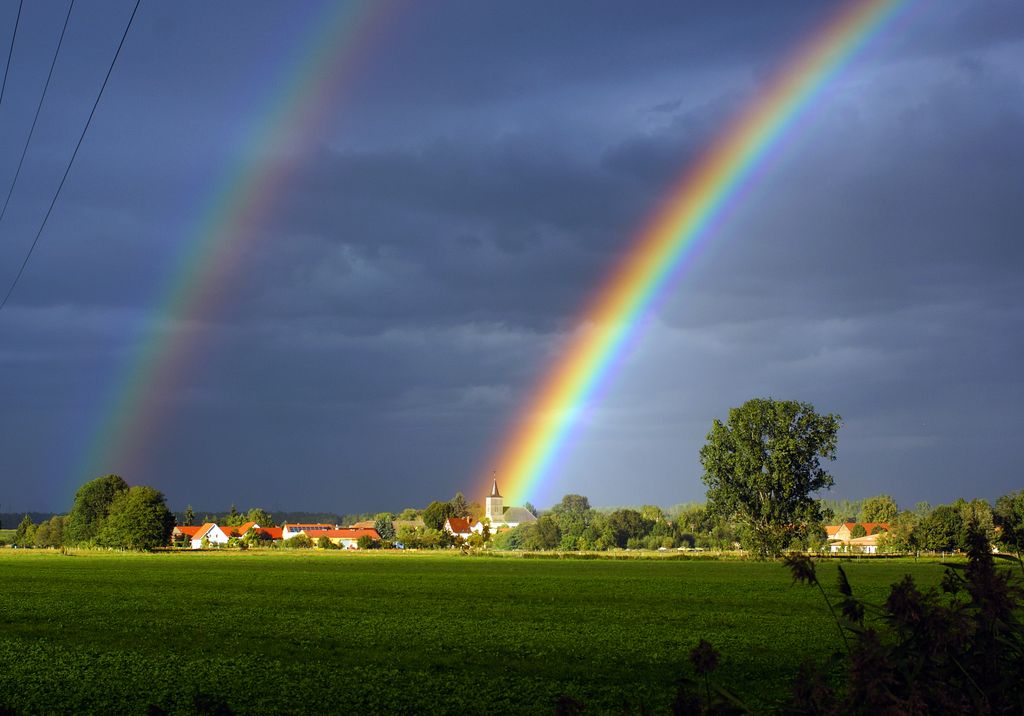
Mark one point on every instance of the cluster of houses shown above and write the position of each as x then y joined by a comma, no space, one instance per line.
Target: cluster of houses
497,517
214,535
841,539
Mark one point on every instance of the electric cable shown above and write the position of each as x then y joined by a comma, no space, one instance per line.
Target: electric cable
39,107
74,154
10,51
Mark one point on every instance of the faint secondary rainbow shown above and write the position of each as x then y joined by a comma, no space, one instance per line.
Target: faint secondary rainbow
235,211
688,214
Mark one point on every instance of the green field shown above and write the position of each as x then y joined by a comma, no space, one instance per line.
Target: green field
266,632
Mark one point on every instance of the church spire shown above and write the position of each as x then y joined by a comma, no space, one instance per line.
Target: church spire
494,486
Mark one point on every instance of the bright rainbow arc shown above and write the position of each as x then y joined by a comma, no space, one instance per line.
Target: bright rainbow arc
539,435
235,212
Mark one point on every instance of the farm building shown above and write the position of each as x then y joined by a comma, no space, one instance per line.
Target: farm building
841,539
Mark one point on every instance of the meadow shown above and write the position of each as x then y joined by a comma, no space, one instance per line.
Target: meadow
266,632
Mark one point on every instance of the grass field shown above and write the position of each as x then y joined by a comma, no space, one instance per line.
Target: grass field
266,632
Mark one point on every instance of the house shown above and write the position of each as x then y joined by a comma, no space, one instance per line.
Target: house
841,539
212,533
313,530
459,527
501,517
346,537
183,532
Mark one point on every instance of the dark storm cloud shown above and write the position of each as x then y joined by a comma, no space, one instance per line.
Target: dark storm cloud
436,240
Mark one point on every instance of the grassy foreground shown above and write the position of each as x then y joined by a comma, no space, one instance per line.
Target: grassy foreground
266,632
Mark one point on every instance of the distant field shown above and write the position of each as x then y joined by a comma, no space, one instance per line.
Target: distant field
265,632
7,535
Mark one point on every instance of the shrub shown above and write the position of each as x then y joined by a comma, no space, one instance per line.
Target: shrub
954,650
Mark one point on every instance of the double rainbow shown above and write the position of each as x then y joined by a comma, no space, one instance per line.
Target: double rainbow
527,455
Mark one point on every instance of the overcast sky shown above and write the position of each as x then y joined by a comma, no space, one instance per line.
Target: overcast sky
462,196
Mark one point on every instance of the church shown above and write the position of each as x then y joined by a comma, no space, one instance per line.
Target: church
499,516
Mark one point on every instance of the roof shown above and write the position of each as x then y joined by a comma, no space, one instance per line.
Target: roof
204,530
350,533
189,530
364,524
242,529
865,541
272,532
494,489
230,530
517,515
459,525
300,526
831,530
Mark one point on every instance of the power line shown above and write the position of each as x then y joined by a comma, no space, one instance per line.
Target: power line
10,51
39,107
74,154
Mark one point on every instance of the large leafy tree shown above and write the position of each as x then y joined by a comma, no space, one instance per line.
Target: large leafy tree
436,513
941,530
1009,516
92,503
880,508
138,519
762,466
628,524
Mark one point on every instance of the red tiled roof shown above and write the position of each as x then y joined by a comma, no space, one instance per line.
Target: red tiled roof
299,526
459,525
242,529
349,533
272,532
189,530
831,530
230,531
204,530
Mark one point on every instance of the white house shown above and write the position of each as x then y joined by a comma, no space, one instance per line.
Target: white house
212,533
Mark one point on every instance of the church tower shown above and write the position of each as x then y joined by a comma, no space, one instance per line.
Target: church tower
494,509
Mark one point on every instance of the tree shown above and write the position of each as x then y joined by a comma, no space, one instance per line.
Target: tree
409,514
1009,516
459,506
25,535
904,534
259,516
940,530
880,508
92,502
190,516
233,518
628,524
528,506
138,519
762,466
365,542
384,526
858,531
436,513
652,513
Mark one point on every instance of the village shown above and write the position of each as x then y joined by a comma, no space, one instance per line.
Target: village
861,538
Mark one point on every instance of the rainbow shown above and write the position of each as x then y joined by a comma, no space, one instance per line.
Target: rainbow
688,214
240,203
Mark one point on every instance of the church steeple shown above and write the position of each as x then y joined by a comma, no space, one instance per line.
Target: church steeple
494,508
